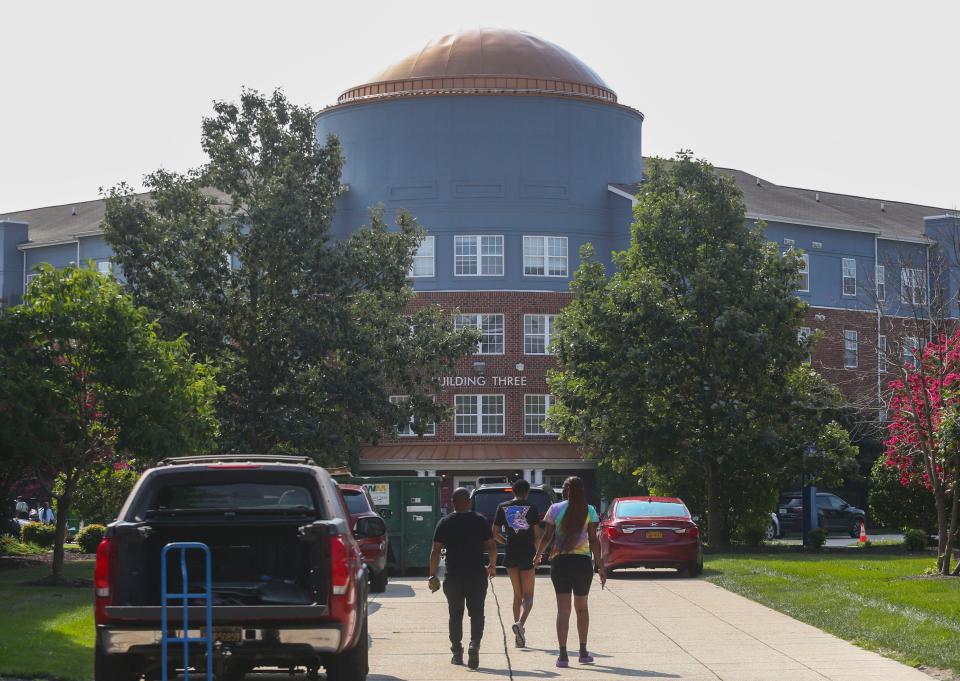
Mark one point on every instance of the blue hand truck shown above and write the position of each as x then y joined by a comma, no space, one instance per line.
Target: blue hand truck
185,597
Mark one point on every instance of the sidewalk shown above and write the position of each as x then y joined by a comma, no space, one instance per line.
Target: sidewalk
641,627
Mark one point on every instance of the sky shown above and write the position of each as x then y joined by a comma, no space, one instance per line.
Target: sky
852,97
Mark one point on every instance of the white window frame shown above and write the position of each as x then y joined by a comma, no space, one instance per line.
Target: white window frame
478,410
913,279
481,320
547,403
851,344
547,335
478,257
27,279
408,429
910,350
104,267
422,256
804,274
849,274
881,354
544,258
881,287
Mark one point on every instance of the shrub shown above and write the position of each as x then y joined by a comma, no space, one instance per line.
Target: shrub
10,546
89,538
894,506
816,538
752,530
914,540
38,534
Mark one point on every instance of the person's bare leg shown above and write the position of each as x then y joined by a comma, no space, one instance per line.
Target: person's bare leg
563,620
515,582
528,579
583,622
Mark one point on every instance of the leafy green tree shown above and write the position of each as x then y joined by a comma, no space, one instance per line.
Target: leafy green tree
897,506
685,362
92,383
307,331
100,493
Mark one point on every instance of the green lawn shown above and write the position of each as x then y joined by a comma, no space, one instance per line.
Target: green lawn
46,632
875,601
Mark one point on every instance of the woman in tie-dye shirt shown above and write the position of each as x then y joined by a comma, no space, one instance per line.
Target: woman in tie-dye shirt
574,524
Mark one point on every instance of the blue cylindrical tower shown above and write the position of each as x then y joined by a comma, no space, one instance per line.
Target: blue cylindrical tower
503,146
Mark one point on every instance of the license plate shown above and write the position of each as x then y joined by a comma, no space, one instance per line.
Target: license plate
227,634
783,511
654,534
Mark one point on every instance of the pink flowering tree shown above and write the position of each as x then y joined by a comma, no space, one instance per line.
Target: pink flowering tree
924,434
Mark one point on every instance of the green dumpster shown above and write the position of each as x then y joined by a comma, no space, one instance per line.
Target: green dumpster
414,509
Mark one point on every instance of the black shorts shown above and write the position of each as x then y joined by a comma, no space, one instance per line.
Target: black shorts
519,557
571,572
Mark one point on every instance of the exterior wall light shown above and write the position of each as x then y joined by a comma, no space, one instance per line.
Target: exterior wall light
479,367
519,366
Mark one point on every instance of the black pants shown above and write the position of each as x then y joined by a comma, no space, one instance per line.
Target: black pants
472,591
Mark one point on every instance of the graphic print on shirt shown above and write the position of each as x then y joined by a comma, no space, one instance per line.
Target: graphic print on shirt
517,517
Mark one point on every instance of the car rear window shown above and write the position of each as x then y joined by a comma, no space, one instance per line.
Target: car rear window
235,496
356,502
650,509
486,501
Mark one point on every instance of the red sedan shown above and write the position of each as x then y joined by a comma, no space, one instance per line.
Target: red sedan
373,545
650,532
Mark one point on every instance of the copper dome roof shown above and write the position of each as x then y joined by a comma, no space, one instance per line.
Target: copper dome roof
486,61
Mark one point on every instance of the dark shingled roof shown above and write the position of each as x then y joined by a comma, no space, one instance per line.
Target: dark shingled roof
66,221
764,199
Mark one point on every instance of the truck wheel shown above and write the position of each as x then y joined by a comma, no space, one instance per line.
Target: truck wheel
378,582
351,665
114,667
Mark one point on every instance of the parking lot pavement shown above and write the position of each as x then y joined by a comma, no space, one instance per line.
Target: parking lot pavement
644,625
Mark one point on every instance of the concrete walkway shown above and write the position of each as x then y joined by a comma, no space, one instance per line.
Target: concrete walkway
642,627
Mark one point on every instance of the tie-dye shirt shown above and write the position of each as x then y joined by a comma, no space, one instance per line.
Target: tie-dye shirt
554,516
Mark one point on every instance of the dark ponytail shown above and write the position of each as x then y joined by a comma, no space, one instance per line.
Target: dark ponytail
575,517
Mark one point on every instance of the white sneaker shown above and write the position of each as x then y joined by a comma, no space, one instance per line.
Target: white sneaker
520,635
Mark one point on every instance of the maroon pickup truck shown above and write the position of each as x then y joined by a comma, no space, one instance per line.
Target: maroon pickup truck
288,582
374,546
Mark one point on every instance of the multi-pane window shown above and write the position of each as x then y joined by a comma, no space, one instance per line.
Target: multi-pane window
911,348
423,261
804,285
104,267
480,255
881,283
535,409
478,415
491,331
851,349
882,354
537,333
913,286
849,277
545,256
407,429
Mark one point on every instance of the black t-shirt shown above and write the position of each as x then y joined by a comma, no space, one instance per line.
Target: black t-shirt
516,519
464,535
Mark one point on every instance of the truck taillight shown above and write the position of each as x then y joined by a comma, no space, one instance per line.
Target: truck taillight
339,565
101,580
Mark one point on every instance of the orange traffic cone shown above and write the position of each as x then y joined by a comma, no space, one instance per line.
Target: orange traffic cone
863,532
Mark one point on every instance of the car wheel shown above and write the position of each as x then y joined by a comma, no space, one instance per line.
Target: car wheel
114,667
855,530
378,582
353,664
771,532
695,569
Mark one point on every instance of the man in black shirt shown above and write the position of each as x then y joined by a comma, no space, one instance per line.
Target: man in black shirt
516,524
465,535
